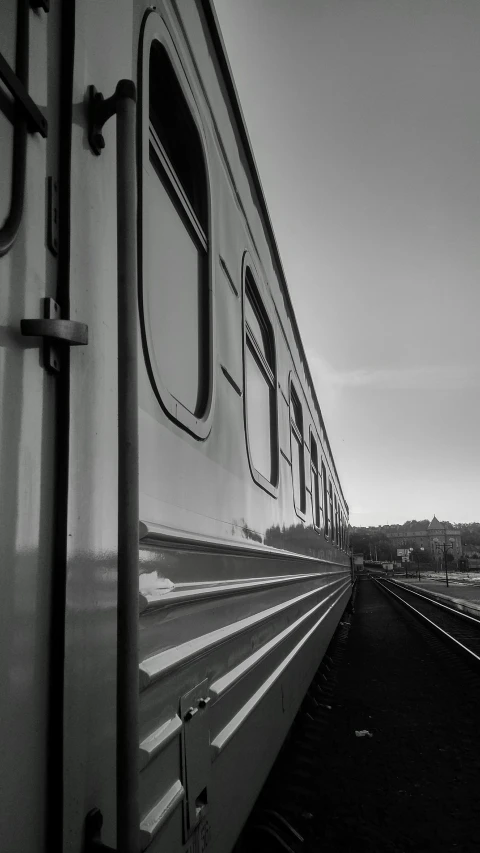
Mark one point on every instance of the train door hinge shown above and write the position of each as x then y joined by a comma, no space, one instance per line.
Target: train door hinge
196,759
57,334
52,217
40,4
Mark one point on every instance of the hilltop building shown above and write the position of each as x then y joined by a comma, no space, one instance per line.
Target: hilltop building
436,532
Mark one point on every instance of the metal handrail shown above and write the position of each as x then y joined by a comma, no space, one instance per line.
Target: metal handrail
11,225
25,116
128,821
123,104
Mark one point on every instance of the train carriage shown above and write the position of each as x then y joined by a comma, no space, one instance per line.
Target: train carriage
174,553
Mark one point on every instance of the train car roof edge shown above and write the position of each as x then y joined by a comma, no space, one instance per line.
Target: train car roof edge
223,61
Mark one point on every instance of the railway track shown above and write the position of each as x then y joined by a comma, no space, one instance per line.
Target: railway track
409,782
459,629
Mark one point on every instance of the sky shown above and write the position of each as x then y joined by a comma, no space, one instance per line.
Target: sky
364,118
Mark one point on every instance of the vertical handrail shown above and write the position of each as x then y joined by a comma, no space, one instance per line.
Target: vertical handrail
123,104
128,822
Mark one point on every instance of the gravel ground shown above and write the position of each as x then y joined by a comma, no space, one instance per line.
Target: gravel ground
415,783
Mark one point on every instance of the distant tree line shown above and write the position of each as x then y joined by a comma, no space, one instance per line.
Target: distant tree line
470,534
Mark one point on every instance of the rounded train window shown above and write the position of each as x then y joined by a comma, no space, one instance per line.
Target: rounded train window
260,389
316,476
297,451
326,516
175,294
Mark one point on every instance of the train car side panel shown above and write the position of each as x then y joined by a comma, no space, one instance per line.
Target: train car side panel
29,45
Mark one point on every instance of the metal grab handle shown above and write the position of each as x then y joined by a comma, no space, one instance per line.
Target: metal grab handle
10,228
128,818
26,116
33,114
123,104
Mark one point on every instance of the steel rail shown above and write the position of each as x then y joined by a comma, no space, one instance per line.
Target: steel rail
434,625
439,604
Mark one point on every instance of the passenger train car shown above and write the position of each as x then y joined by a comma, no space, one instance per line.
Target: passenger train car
174,554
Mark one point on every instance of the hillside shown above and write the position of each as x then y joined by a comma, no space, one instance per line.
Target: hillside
373,541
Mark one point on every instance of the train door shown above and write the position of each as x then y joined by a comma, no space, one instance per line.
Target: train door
102,56
29,377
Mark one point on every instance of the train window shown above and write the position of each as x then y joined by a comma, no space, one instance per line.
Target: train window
298,460
335,521
325,500
335,525
260,388
330,509
176,295
316,486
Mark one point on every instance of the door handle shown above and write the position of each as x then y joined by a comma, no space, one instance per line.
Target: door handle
56,334
67,331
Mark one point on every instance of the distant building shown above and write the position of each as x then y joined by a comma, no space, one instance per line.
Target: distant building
435,533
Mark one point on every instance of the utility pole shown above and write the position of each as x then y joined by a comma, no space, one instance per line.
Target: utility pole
418,561
444,545
445,549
